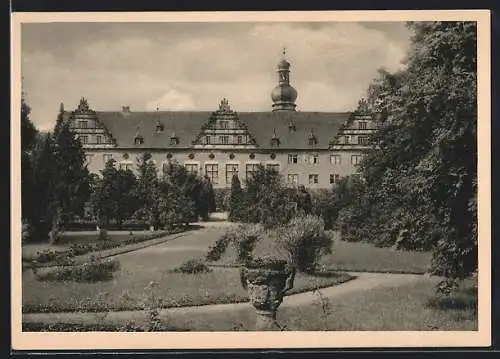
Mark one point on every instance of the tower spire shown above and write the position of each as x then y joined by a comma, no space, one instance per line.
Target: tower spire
284,95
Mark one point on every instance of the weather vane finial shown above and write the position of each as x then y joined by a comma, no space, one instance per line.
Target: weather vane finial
284,52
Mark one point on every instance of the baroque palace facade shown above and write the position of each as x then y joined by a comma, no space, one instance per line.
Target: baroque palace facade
314,149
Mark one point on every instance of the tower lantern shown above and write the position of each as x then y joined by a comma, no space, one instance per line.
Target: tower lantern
284,95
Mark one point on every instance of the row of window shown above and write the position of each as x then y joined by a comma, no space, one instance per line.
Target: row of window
361,140
100,139
226,140
362,125
314,159
293,178
293,159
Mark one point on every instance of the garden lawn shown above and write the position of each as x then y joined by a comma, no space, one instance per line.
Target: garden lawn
404,308
127,290
153,264
355,257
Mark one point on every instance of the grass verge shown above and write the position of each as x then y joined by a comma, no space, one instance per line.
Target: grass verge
126,290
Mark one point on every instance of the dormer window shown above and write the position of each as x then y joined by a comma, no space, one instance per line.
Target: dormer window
174,140
275,141
159,127
312,140
138,140
291,126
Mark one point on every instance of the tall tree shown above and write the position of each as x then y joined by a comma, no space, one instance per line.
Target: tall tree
267,200
28,142
423,176
147,190
72,176
236,200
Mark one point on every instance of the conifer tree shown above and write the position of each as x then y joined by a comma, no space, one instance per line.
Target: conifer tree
72,179
236,201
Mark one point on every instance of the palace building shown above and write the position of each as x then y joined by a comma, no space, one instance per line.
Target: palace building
314,149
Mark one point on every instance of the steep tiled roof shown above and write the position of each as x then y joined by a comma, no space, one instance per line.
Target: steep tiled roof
323,125
125,125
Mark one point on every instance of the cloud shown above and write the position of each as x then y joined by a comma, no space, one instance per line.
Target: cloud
192,66
172,100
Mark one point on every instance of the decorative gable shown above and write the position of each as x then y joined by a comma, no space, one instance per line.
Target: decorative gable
222,129
356,132
86,125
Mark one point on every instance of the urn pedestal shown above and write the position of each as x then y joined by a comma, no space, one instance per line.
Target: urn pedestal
267,281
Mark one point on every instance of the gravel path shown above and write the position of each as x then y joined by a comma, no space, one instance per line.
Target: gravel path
364,281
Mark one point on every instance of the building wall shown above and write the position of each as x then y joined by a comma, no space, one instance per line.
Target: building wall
323,166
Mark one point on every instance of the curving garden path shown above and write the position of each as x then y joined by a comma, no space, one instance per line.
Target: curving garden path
364,281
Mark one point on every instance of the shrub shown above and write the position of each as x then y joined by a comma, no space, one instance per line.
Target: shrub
92,271
222,199
243,238
325,205
193,266
304,240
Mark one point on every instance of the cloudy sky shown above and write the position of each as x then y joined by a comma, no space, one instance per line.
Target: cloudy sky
191,66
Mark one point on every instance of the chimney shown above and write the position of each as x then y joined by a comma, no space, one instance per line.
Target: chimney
125,108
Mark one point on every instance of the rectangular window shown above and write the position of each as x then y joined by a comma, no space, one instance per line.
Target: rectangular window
82,124
212,171
335,159
99,139
314,159
231,170
191,167
363,140
250,169
207,140
292,158
346,139
106,157
224,140
313,179
125,166
224,125
356,159
273,166
84,139
362,125
334,178
240,140
293,178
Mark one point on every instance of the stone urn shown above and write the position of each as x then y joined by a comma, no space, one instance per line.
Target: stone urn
267,280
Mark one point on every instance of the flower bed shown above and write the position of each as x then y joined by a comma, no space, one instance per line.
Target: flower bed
94,270
63,257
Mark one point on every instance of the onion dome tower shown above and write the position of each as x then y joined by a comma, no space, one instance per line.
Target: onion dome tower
284,95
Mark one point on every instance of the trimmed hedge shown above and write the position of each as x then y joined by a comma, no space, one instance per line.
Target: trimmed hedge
193,266
94,270
61,257
130,225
